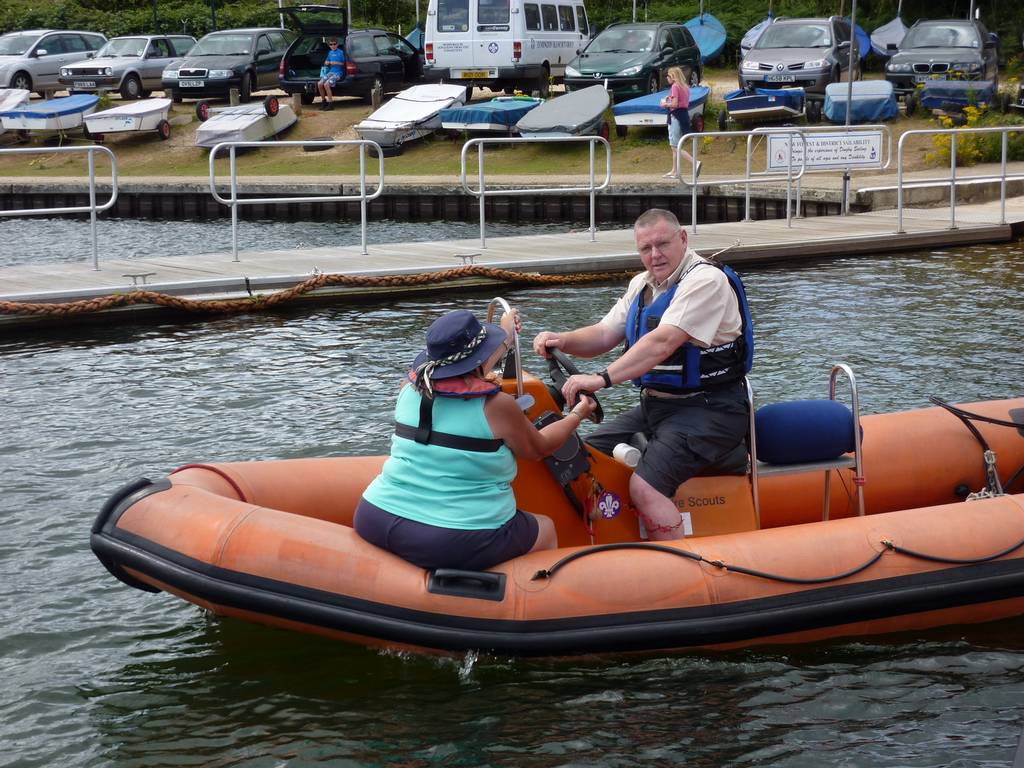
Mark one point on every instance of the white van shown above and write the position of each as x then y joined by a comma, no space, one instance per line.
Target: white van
503,44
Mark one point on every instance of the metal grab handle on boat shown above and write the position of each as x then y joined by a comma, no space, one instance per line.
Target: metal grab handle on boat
506,307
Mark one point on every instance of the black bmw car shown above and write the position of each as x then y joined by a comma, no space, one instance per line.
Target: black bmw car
943,50
246,59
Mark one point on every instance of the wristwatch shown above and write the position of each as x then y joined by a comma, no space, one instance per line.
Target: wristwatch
607,379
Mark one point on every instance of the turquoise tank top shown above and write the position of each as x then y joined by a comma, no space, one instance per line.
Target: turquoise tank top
446,487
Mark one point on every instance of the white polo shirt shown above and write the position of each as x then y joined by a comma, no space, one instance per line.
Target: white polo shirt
704,305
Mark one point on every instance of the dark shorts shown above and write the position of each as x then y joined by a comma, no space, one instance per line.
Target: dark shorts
684,435
430,546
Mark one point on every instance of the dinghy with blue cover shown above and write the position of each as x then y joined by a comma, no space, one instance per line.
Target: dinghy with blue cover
410,115
709,34
763,104
885,40
577,113
646,111
51,114
873,100
246,122
498,114
954,95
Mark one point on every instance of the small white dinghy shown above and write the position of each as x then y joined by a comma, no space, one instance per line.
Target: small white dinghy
11,98
145,115
246,122
49,115
411,114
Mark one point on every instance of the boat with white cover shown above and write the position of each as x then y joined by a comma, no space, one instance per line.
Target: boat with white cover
50,114
245,122
410,115
11,98
145,115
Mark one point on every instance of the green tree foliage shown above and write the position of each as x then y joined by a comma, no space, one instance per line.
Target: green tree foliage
119,17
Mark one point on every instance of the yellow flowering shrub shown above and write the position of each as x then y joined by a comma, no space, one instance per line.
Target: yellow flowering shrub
970,147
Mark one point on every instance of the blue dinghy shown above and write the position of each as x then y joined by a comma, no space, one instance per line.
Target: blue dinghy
863,41
709,34
765,104
873,100
647,111
754,33
498,114
954,95
50,115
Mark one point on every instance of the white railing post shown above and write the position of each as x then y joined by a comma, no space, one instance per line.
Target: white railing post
1002,180
481,192
92,208
234,202
952,182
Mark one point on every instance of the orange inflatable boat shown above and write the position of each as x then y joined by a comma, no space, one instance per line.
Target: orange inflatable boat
272,542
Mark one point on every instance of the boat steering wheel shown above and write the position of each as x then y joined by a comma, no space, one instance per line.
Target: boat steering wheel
560,368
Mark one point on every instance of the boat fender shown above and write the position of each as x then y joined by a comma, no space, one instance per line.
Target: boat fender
803,430
102,545
482,585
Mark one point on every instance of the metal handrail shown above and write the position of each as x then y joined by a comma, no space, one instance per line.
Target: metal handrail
883,166
695,183
482,193
952,180
234,201
92,208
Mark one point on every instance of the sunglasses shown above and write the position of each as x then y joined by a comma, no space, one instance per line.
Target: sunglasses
333,45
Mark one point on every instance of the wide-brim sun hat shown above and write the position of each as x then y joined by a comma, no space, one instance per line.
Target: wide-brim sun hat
458,343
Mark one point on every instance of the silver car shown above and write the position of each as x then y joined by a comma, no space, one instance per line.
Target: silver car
804,53
131,65
32,59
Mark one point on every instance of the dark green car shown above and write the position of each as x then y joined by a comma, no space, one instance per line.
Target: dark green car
634,59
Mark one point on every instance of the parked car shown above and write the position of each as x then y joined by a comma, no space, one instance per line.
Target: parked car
32,59
942,50
800,53
634,58
132,65
246,59
375,58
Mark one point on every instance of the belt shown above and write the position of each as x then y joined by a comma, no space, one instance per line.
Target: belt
660,395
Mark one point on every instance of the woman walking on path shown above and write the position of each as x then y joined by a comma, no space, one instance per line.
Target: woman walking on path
678,102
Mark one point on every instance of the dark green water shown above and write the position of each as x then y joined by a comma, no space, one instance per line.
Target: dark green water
97,674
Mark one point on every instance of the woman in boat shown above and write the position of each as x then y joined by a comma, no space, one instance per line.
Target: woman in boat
444,497
678,104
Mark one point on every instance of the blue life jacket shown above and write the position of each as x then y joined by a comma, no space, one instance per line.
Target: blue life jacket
691,367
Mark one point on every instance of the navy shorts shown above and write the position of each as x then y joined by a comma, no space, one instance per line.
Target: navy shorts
430,546
685,435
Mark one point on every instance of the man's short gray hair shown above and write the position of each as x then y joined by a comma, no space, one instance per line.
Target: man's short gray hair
653,215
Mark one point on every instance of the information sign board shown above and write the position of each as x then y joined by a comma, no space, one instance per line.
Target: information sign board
862,149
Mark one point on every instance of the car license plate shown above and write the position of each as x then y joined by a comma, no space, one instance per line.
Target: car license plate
85,83
780,78
190,83
474,74
926,78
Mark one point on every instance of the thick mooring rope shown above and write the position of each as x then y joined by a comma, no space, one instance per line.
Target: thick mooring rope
257,302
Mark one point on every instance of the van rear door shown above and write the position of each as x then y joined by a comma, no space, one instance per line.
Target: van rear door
452,36
492,47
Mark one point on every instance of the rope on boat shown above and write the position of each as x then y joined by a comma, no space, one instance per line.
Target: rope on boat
950,560
256,302
547,573
993,486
